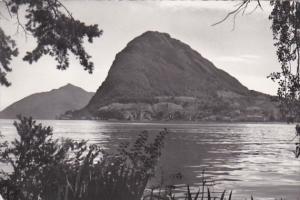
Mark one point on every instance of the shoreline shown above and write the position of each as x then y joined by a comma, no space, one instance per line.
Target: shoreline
163,121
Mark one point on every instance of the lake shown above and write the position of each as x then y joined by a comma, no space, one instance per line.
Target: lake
248,158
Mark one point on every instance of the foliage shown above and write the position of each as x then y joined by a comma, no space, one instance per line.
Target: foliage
297,151
110,114
203,192
141,155
40,164
189,195
48,169
285,19
56,31
7,51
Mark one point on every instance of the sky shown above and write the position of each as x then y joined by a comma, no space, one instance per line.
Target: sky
245,50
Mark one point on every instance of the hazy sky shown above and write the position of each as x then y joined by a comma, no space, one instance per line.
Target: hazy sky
246,52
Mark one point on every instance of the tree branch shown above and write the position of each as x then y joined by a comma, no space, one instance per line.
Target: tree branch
241,7
21,25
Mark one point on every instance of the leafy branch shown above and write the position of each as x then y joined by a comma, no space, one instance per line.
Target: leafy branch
57,34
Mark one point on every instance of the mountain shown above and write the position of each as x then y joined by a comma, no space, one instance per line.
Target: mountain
157,77
49,105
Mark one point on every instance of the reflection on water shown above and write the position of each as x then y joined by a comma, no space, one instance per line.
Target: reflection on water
251,159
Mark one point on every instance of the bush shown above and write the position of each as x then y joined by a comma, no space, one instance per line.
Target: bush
48,169
40,165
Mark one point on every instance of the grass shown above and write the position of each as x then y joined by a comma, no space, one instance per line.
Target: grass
202,193
199,195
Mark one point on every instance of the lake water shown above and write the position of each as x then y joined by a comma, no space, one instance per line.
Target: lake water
250,159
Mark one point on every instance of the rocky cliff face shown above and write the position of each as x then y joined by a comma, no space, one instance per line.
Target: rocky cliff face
157,77
49,105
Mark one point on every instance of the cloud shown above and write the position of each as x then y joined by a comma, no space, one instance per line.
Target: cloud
245,58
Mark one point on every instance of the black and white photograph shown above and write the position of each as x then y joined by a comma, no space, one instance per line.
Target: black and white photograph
149,100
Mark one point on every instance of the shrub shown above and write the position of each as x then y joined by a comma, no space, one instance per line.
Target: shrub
48,169
40,165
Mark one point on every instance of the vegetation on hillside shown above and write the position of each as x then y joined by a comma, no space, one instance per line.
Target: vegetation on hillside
285,18
172,82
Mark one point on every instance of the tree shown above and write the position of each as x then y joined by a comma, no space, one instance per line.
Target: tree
286,33
285,18
56,31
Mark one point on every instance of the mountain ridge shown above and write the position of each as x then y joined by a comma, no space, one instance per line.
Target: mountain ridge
157,77
133,43
49,104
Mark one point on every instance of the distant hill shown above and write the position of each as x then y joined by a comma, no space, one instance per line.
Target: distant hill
157,77
49,105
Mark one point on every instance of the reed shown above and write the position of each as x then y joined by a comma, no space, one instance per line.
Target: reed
203,192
